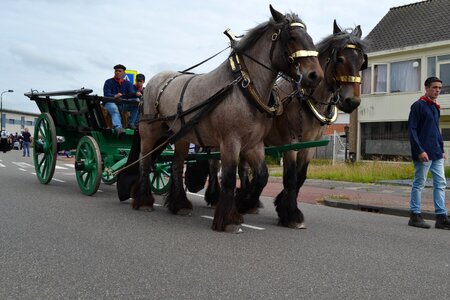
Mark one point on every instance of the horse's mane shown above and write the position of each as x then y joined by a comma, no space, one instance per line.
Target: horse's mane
254,34
339,40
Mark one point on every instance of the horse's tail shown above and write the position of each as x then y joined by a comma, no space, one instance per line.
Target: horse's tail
196,174
127,178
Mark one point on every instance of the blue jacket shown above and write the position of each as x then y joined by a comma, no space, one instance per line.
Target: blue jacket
423,130
112,87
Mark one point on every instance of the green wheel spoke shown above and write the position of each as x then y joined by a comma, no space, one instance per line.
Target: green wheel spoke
166,172
88,157
45,131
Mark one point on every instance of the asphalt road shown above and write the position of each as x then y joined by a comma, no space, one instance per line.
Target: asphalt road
57,243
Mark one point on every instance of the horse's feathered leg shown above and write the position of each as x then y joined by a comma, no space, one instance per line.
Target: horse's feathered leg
212,193
142,195
243,172
248,197
302,171
226,216
176,200
286,201
127,178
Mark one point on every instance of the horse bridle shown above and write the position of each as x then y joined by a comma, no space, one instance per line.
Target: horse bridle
332,114
238,67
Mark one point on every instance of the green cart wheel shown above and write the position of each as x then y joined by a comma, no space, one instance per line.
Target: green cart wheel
88,165
160,178
44,148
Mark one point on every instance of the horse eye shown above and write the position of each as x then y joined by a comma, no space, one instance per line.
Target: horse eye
340,59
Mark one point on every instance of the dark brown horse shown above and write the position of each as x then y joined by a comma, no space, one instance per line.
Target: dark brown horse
227,109
342,56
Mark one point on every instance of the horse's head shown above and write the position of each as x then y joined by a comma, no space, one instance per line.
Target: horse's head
342,56
293,51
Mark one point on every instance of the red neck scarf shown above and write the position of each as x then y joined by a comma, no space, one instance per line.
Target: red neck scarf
119,81
429,101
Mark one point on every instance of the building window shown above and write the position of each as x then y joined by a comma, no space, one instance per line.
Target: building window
385,141
440,66
431,66
29,123
11,121
405,76
380,78
366,86
444,75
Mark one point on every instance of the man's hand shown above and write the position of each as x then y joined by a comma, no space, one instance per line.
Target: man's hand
117,96
423,157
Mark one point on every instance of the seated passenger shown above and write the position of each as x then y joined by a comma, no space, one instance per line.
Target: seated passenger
117,87
138,88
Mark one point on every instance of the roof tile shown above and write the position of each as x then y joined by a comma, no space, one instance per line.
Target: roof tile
417,23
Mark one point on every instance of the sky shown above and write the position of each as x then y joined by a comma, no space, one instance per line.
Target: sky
54,45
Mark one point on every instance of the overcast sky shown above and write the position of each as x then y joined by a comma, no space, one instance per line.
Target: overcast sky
52,45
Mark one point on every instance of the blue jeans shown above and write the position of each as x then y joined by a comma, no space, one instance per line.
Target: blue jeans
115,110
134,113
26,148
436,167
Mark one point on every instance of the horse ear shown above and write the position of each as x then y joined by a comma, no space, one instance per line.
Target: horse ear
358,31
276,15
336,28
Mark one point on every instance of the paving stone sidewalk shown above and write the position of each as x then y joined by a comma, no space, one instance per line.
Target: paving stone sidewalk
389,197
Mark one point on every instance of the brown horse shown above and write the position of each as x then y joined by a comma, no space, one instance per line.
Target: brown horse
227,109
342,56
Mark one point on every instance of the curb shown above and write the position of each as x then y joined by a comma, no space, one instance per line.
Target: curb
375,209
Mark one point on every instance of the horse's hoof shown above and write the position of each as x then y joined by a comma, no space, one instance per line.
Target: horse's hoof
297,225
185,212
147,208
233,228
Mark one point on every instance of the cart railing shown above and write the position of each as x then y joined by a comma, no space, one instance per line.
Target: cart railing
75,111
167,155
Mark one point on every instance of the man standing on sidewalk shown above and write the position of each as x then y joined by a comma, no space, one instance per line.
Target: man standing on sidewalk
427,149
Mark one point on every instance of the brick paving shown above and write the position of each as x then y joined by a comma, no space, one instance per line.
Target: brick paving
378,197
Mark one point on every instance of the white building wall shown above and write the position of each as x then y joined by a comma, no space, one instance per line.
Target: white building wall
391,107
14,123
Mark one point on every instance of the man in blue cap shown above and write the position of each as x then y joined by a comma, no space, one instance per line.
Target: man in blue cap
120,88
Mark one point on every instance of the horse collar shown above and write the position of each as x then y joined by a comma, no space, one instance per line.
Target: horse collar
324,120
239,69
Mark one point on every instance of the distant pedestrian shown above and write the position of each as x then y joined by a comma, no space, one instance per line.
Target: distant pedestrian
427,148
4,141
26,142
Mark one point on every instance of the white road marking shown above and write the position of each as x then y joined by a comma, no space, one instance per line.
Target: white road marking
195,194
22,164
56,179
208,217
243,224
2,165
60,168
70,165
22,169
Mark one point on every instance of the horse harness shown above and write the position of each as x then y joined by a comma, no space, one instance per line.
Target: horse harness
239,69
331,113
241,75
